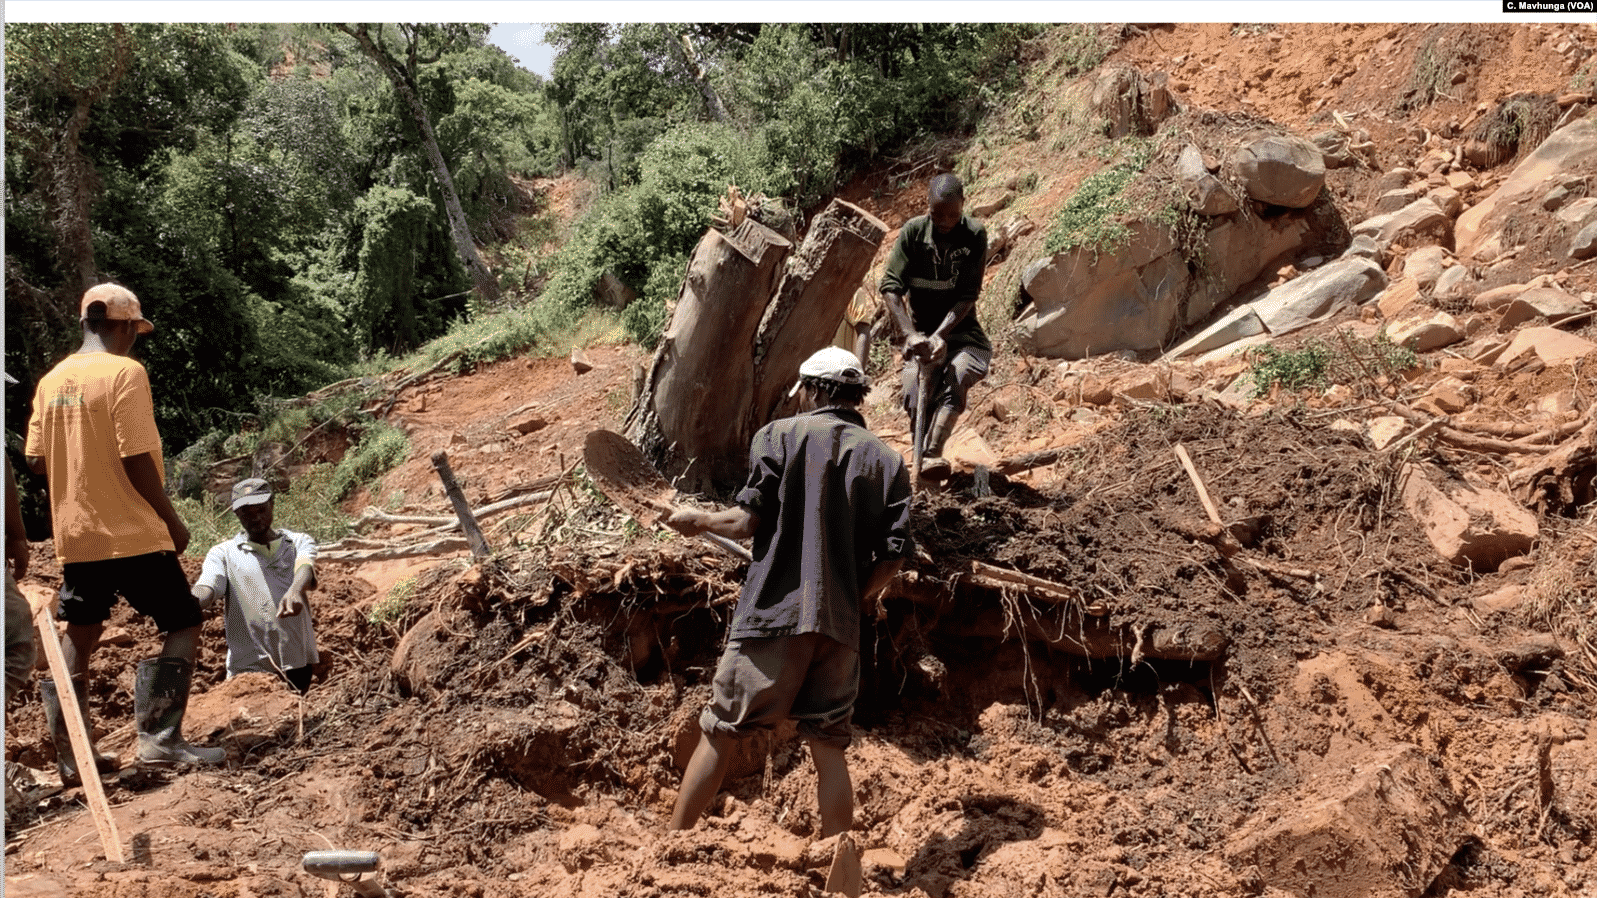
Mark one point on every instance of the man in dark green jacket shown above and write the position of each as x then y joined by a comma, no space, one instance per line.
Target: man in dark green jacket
930,286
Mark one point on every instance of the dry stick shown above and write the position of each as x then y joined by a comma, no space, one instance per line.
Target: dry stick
1416,434
1203,492
78,733
468,521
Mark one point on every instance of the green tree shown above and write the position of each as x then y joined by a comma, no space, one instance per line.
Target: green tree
400,55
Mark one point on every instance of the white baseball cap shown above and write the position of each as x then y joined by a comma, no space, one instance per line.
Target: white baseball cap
834,364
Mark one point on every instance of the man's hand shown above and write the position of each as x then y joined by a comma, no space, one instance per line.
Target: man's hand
293,603
926,348
205,596
688,521
179,532
17,554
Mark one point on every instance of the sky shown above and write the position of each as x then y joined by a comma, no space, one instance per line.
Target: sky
524,42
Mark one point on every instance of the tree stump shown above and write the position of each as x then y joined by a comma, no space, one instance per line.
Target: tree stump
688,415
810,303
737,338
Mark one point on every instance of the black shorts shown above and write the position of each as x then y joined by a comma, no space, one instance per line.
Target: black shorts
153,584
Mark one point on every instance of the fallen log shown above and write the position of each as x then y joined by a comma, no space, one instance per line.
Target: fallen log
1458,438
1564,478
408,550
1042,458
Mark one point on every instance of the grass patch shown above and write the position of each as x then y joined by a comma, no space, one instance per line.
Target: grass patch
1080,48
1354,361
1092,216
391,608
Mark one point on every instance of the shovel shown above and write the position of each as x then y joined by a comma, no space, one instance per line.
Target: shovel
622,472
923,401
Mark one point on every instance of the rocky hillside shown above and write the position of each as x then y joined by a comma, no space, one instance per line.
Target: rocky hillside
1270,568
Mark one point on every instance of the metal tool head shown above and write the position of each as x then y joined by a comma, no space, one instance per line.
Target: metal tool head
336,865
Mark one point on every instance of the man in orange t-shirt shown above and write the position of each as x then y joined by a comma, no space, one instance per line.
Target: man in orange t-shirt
92,433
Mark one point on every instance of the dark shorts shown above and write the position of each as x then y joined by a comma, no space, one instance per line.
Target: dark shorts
153,584
762,681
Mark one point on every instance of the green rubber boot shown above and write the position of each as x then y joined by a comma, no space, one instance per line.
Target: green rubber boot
65,762
160,699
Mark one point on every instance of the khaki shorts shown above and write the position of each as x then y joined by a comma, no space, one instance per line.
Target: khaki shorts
19,638
763,681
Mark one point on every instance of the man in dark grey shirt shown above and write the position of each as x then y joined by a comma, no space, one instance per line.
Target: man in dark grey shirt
828,504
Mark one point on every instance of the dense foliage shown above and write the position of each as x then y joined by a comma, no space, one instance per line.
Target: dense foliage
281,196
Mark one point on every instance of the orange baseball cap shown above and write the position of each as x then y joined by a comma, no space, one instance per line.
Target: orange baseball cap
120,305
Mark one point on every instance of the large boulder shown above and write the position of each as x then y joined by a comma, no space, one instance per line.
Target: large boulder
1138,296
1204,191
1474,528
1419,218
1320,294
1383,826
1571,149
1281,171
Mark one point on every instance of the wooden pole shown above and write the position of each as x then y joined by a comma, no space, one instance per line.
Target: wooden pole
468,521
82,750
1203,492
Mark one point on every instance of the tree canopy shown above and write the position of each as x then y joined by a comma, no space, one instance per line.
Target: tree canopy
289,199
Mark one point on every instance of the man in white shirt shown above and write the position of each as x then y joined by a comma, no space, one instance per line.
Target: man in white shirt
262,574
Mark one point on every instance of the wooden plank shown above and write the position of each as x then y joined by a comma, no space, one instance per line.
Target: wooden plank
82,750
1203,492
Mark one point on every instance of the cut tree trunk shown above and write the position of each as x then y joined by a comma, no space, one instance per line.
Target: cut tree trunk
810,303
699,386
736,340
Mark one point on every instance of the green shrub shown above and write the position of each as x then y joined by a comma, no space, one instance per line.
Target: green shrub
1092,215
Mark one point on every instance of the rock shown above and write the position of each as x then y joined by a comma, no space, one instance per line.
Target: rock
992,205
527,423
1427,334
1319,294
1086,301
1419,218
1577,212
1205,192
1393,200
1393,179
1424,265
1386,825
1554,199
1551,345
1240,322
1448,396
1455,283
1447,199
1004,235
1363,247
579,361
1561,405
1335,148
1460,180
1539,302
1385,430
1397,297
1497,297
1281,171
1478,529
613,292
1506,598
1584,246
1572,148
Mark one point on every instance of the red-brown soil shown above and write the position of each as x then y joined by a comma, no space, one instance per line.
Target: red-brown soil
518,728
